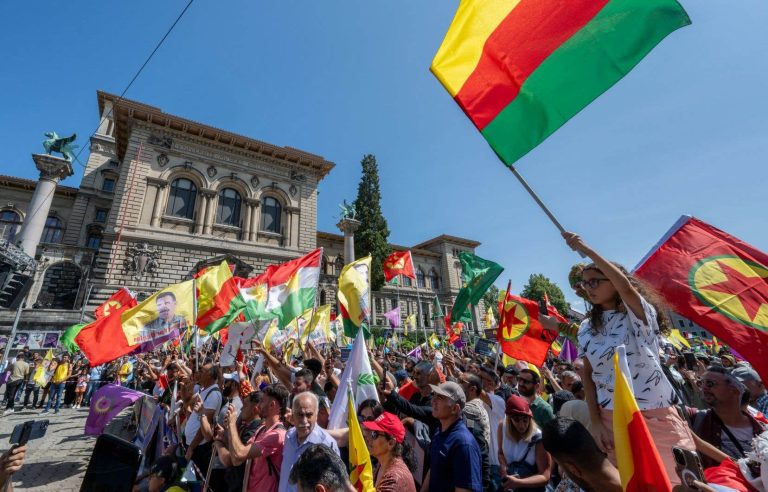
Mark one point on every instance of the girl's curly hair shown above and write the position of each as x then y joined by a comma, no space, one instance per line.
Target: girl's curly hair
595,313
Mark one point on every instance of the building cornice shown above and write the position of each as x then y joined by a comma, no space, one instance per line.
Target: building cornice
126,111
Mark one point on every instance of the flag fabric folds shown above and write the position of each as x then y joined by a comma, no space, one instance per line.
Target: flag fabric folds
519,69
638,460
355,295
410,323
122,297
283,291
398,263
520,333
360,469
67,339
437,310
159,318
717,281
393,317
479,274
358,371
107,402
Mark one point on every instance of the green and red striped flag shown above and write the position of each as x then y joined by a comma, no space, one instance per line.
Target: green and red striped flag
521,68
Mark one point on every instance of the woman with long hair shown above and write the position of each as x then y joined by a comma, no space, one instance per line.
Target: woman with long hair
525,463
624,311
385,438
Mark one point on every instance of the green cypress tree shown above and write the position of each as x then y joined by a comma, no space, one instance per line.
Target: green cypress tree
371,237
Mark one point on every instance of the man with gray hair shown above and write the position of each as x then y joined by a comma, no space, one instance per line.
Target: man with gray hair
419,406
758,396
304,433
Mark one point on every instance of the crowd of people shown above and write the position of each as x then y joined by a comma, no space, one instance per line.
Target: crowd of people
449,420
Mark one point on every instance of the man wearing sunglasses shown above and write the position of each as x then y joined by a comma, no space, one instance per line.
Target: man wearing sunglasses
528,384
725,425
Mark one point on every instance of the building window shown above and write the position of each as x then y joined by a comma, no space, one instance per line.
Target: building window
181,202
339,263
10,222
53,231
108,185
406,281
434,280
93,241
270,215
420,279
101,215
228,211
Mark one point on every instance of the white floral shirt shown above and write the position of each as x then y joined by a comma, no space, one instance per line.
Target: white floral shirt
651,387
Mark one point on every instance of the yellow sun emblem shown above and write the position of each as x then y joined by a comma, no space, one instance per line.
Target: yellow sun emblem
103,404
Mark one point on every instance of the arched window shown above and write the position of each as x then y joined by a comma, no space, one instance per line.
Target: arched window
181,201
420,279
10,222
270,215
228,211
53,231
434,280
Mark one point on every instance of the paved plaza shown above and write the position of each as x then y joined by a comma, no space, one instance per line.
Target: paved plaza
56,462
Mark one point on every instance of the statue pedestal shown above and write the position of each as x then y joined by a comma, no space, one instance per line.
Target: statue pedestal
52,170
348,227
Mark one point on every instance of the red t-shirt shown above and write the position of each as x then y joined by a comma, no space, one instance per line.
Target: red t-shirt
271,443
407,390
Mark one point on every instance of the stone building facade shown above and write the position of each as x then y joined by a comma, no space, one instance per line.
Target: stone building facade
163,196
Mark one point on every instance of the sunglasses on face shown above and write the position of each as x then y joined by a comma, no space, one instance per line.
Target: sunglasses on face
375,434
365,419
592,283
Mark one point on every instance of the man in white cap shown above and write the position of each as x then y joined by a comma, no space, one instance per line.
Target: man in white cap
758,396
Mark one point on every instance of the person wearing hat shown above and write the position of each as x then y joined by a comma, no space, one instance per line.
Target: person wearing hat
527,465
758,396
385,438
163,475
454,453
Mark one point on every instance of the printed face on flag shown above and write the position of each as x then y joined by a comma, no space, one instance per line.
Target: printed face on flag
162,315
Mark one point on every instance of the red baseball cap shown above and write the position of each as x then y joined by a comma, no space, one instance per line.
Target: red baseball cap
517,405
389,424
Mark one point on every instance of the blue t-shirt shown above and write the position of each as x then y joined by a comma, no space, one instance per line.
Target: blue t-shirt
455,460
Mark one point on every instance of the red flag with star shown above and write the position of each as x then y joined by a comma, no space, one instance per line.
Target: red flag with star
121,298
520,333
717,281
398,263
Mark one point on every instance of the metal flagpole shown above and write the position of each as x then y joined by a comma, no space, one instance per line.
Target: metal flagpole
536,198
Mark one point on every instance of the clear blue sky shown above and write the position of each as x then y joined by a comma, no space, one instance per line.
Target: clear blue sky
685,132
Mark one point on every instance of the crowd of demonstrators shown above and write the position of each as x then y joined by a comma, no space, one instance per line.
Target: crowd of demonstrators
448,419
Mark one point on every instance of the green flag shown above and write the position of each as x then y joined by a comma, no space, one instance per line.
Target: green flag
68,337
438,311
479,275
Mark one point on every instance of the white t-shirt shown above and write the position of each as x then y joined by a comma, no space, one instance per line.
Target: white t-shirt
495,415
651,387
211,397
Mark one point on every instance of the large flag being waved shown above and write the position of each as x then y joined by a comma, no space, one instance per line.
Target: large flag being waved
122,297
283,291
640,466
218,302
107,402
360,470
479,275
161,317
319,331
520,333
355,295
398,263
717,281
410,323
358,371
520,69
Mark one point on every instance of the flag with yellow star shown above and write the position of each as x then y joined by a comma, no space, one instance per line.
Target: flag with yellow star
717,281
520,333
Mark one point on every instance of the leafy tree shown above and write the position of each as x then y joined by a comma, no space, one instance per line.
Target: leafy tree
538,284
371,237
491,298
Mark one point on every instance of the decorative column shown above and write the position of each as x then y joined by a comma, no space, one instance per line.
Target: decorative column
52,170
348,227
157,208
246,224
210,196
199,226
292,211
253,231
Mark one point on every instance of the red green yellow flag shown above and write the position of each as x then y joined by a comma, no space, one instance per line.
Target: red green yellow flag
520,69
639,463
